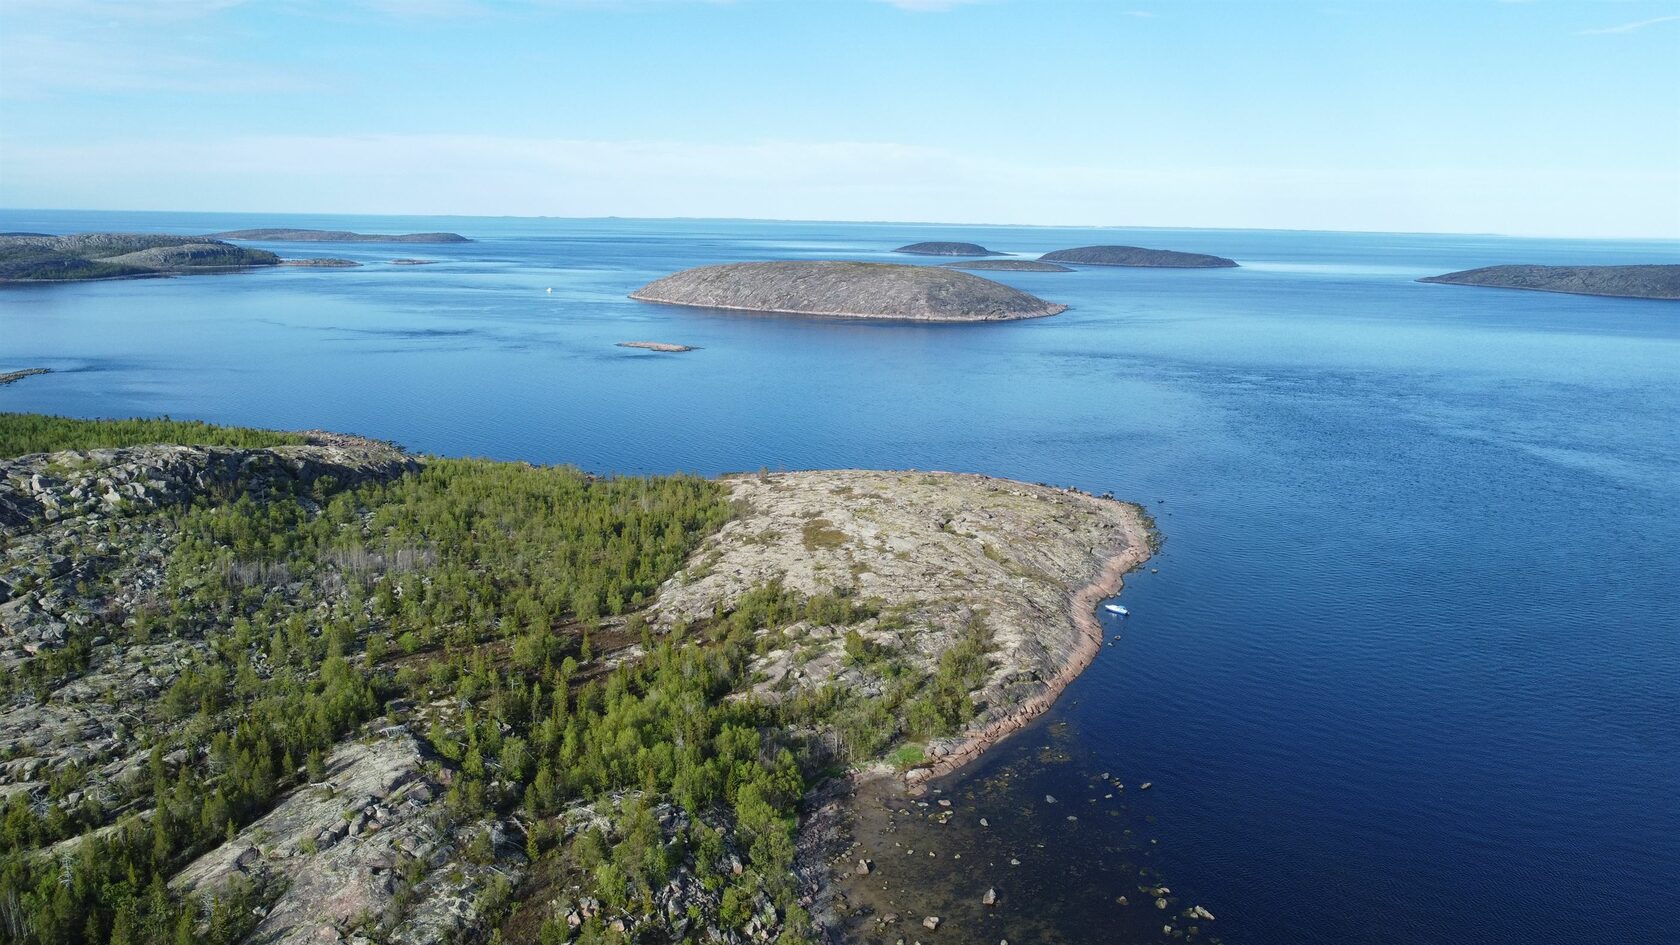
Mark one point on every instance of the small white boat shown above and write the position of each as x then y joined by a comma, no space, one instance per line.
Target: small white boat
1116,609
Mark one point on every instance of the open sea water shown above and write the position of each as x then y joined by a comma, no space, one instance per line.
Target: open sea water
1410,669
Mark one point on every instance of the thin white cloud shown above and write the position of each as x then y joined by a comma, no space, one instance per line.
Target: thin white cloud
1633,27
40,65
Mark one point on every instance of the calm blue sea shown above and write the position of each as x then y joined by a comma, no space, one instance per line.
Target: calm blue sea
1410,669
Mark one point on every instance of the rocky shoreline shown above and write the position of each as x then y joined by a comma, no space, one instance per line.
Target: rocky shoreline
1083,611
880,578
12,377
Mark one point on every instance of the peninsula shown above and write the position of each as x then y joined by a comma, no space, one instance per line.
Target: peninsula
88,256
286,235
1137,256
421,699
935,248
1633,282
1007,265
12,377
847,290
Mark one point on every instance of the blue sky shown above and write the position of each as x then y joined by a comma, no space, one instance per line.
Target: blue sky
1544,118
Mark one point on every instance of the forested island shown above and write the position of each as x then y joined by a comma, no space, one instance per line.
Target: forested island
289,235
1137,256
86,256
847,290
937,248
1634,282
291,688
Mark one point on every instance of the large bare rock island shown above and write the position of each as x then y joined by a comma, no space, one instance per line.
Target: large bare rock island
848,290
1634,282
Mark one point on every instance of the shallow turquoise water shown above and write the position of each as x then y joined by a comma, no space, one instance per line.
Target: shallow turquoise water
1410,671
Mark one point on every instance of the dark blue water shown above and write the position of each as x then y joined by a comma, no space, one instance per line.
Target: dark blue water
1410,671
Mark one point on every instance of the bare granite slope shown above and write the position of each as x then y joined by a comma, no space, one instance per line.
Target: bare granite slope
938,549
1636,282
847,290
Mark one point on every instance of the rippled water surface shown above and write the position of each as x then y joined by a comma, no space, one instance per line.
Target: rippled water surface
1410,670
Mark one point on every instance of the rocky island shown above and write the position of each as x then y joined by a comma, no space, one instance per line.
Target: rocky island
664,346
288,235
88,256
1634,282
1008,265
847,290
287,688
937,248
1137,256
321,262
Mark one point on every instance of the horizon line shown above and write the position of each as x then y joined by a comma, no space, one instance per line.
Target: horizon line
912,223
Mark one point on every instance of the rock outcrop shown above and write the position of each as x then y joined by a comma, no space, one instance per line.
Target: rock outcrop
290,235
332,851
119,255
938,549
1137,256
1634,282
937,248
321,262
12,377
847,290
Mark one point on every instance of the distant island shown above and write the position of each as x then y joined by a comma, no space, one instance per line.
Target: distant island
1007,265
285,235
1633,282
847,290
10,377
321,262
412,262
656,346
86,256
936,248
1137,256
